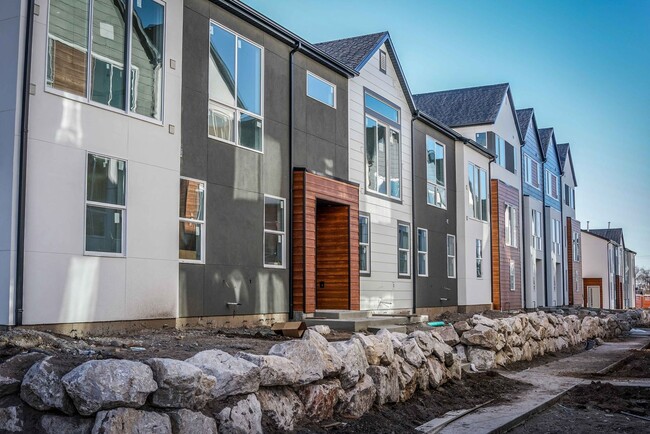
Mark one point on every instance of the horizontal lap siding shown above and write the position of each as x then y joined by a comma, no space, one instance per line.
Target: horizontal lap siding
531,148
574,267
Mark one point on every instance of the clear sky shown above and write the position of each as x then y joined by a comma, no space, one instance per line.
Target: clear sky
584,66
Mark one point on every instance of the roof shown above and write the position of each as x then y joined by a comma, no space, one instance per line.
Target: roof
564,153
593,234
525,117
545,135
613,234
356,51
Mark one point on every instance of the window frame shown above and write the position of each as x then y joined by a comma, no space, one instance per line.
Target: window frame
527,169
406,275
385,68
435,185
453,257
309,73
577,253
536,229
238,111
271,231
369,270
512,274
87,99
549,189
478,254
202,223
556,232
423,252
476,169
511,226
122,208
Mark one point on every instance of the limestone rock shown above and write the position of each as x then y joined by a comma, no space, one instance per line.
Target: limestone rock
386,380
14,369
448,335
129,420
484,336
320,399
306,355
357,401
422,377
455,371
333,362
354,360
379,350
481,358
274,370
55,424
184,421
411,352
234,376
441,350
245,417
461,327
321,329
180,384
43,390
424,340
8,386
436,372
11,419
105,384
281,407
480,319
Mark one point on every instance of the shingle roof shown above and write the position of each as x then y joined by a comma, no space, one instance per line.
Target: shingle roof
562,150
545,137
614,234
524,116
464,107
353,51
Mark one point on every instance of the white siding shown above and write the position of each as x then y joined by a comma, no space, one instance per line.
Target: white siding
534,278
595,262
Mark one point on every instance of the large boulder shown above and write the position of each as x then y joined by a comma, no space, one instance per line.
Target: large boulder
55,424
185,421
441,350
244,417
481,358
461,327
436,372
43,390
180,384
11,419
14,369
274,370
129,420
386,380
106,384
448,334
306,355
320,399
411,352
424,340
484,336
483,320
357,401
333,362
379,349
281,407
235,376
354,360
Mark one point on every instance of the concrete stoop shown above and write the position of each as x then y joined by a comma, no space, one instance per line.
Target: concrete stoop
354,320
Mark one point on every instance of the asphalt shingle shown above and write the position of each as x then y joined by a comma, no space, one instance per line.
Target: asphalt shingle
613,234
563,151
545,137
352,51
523,117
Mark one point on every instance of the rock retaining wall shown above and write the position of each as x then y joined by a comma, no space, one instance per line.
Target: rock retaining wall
301,379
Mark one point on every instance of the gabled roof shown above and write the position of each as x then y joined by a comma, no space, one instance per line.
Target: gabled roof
613,234
355,52
525,117
547,136
467,107
564,154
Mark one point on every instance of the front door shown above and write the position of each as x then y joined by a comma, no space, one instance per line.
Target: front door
593,296
332,256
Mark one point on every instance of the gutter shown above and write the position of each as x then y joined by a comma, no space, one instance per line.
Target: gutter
22,176
290,195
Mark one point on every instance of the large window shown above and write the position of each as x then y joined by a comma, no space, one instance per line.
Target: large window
536,226
274,232
532,174
235,82
505,153
364,244
552,185
321,90
403,249
479,258
423,252
576,246
383,159
105,205
451,256
478,191
125,66
556,237
191,231
436,177
511,226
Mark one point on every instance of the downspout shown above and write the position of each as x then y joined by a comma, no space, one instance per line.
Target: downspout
565,282
523,225
290,196
414,254
489,182
546,256
22,176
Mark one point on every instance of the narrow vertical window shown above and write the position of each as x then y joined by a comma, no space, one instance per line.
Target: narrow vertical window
191,231
105,205
436,177
382,61
511,226
423,252
478,190
451,256
364,244
382,147
479,258
536,226
576,247
403,249
512,275
274,232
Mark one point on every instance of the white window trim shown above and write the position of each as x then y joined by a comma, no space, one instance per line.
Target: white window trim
477,258
528,172
127,95
470,210
123,208
576,247
201,223
270,231
309,73
511,229
423,252
407,250
453,237
389,128
366,272
549,190
238,111
434,185
512,274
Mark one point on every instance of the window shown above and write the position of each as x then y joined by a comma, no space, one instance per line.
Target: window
105,205
235,82
573,198
552,185
511,225
191,233
451,256
531,172
478,190
383,165
556,237
123,36
479,258
321,90
382,61
569,196
423,252
536,226
274,232
512,275
364,244
506,156
576,247
403,249
481,139
436,178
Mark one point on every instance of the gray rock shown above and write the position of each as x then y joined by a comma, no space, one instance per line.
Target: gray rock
436,372
480,319
333,362
235,376
306,355
14,369
9,386
129,420
43,390
461,352
106,384
245,417
180,384
441,350
411,352
185,421
274,370
448,334
424,340
461,327
354,360
54,424
11,419
481,358
357,401
321,329
484,336
378,349
386,380
281,407
320,399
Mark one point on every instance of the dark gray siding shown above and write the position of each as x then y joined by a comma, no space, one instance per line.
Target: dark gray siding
429,291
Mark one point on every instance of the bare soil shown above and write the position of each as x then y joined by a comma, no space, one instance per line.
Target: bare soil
637,365
546,358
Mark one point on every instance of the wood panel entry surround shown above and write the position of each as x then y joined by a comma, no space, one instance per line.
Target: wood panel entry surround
319,204
592,282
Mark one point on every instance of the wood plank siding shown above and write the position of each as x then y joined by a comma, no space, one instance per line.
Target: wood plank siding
593,282
574,267
332,256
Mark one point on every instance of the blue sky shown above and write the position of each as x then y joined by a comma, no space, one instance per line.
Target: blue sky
584,66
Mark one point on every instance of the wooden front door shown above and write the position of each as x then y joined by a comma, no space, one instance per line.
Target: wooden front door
332,256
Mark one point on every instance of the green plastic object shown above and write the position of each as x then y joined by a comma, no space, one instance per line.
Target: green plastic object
436,323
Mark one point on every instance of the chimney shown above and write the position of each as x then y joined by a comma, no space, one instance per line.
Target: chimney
587,225
609,225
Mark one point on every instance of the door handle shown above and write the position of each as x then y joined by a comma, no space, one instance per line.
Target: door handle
321,284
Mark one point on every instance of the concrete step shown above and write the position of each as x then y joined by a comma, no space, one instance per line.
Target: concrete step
341,314
393,328
358,324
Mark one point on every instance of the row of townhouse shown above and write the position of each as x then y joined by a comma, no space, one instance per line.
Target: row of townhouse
237,169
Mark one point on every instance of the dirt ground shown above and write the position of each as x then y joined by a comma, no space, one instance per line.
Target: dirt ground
593,408
635,366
